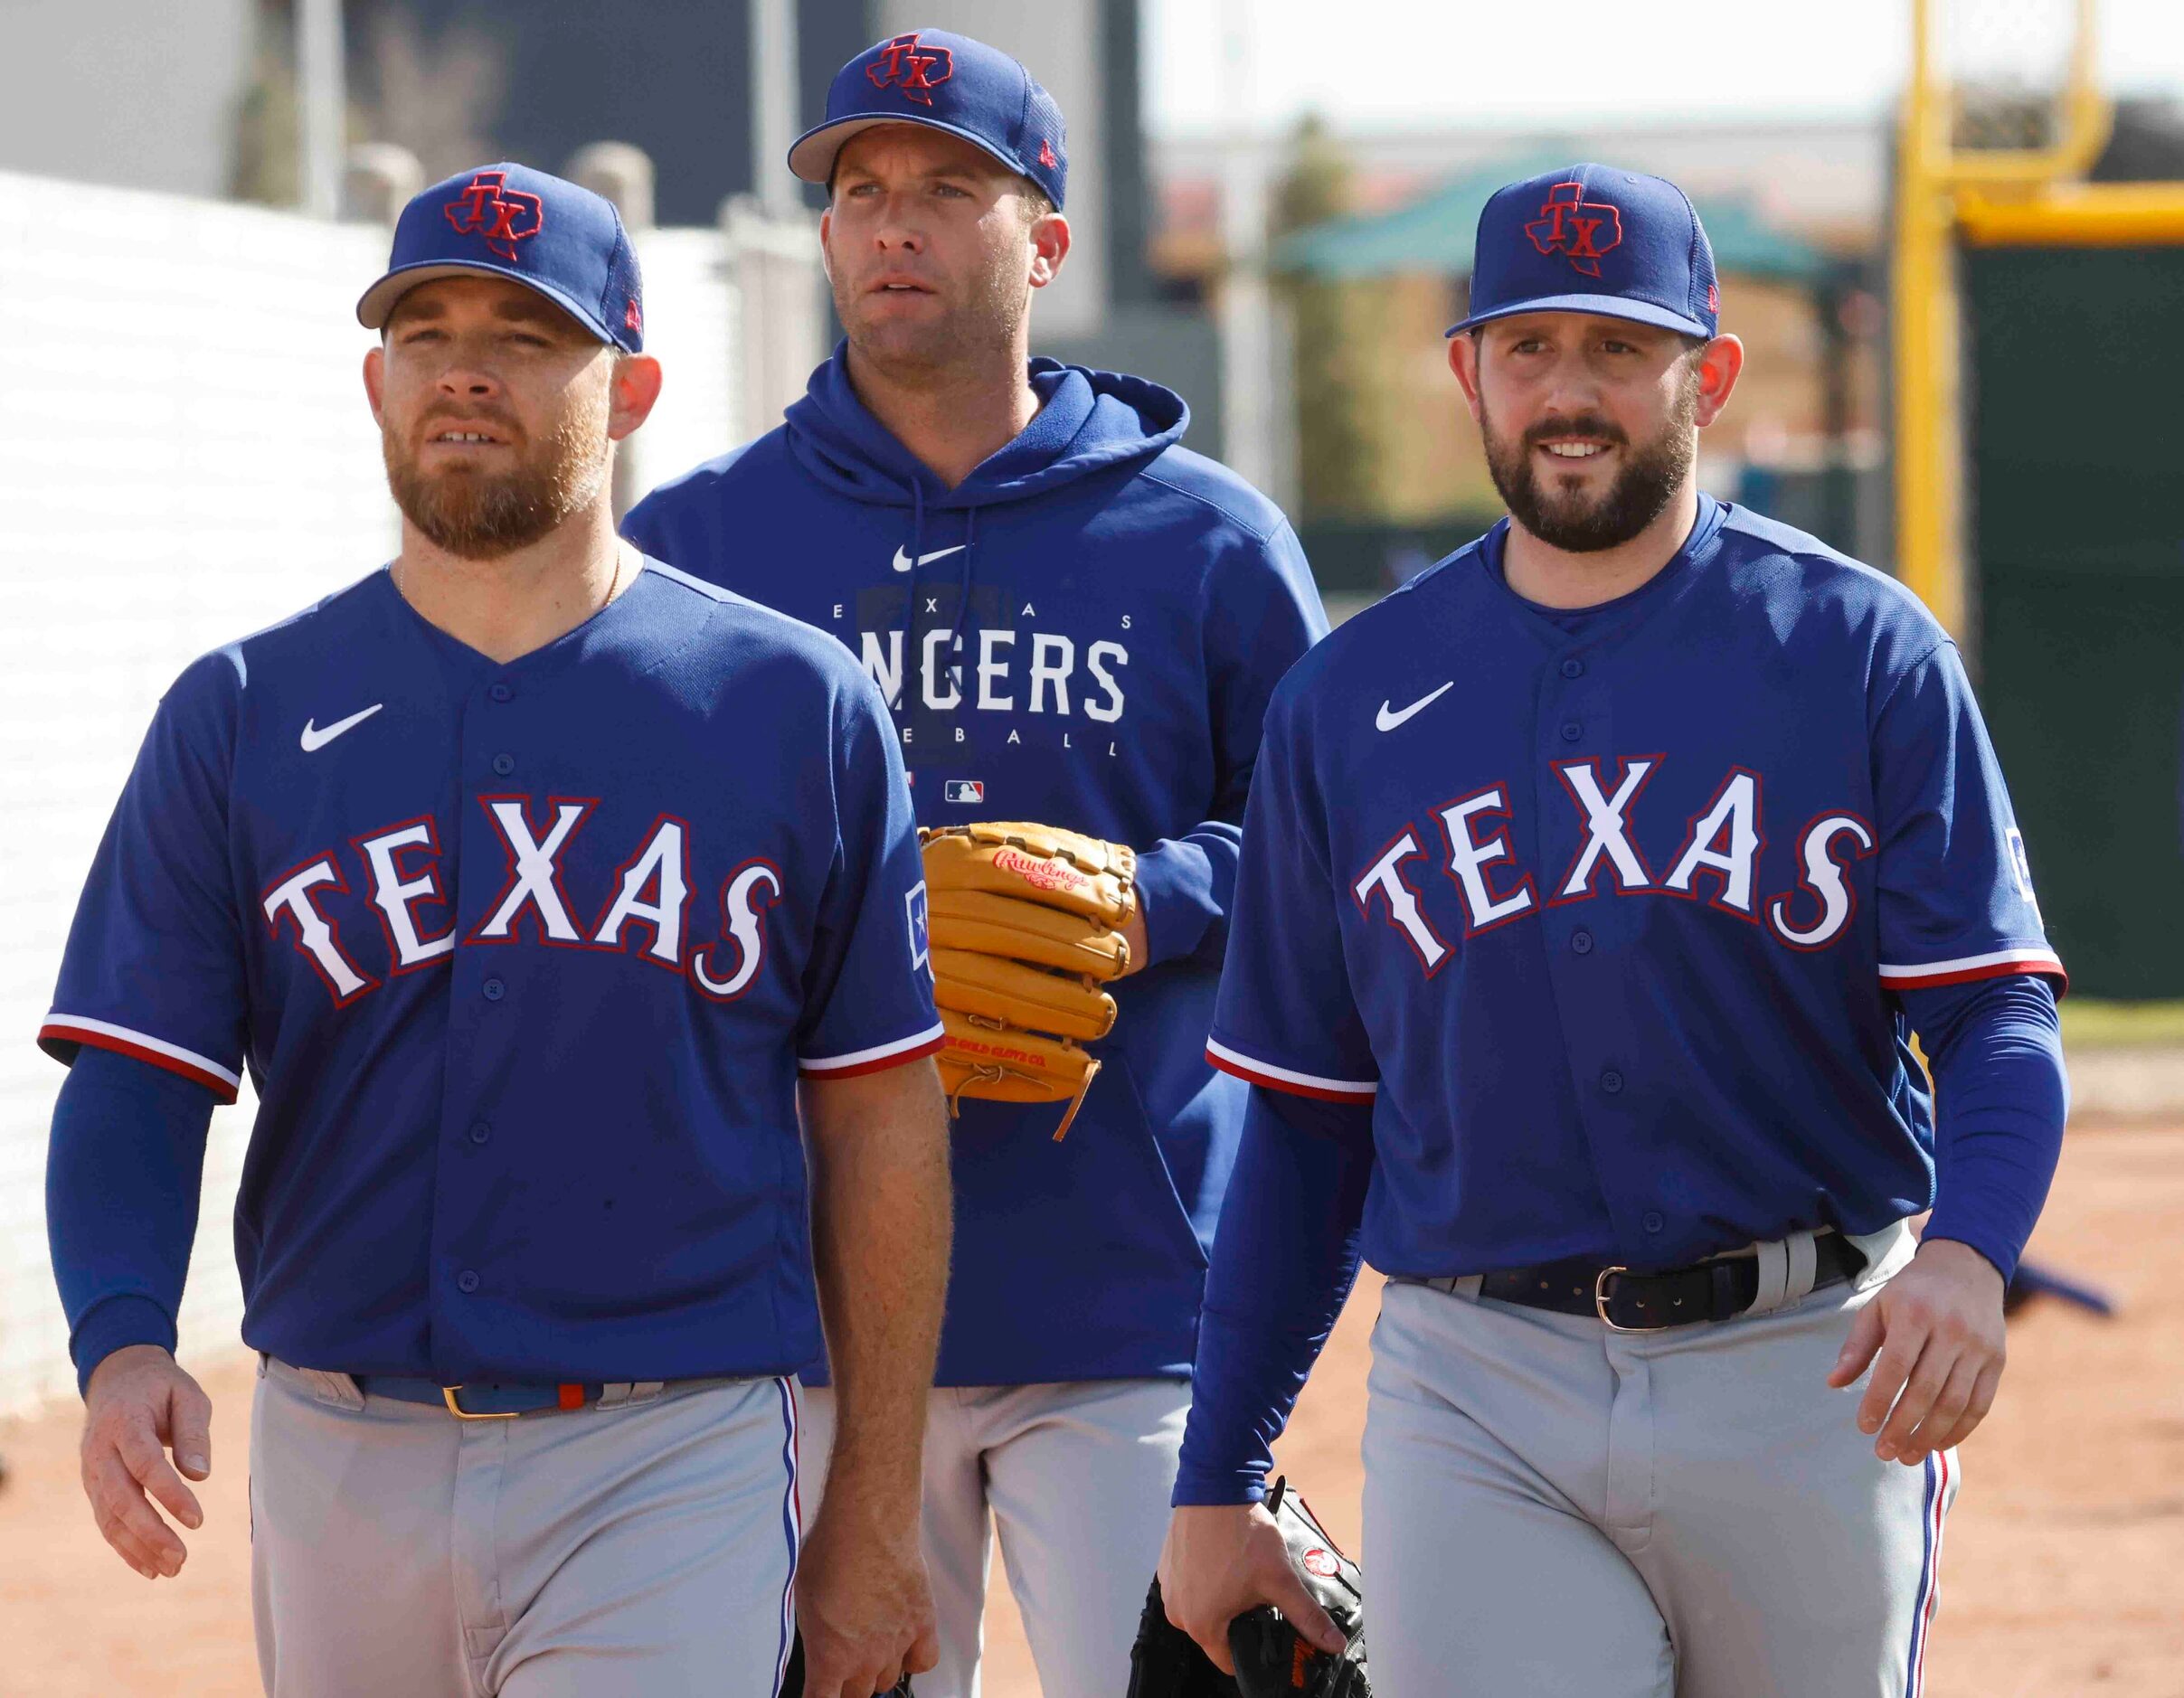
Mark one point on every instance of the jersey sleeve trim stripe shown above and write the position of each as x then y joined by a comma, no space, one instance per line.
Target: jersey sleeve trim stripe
879,1056
1996,964
1258,1072
67,1029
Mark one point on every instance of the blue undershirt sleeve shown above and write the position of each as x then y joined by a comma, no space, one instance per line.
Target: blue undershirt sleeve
1995,1049
122,1175
1262,611
1285,1256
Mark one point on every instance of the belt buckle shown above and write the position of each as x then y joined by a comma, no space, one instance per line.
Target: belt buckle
1600,1301
447,1393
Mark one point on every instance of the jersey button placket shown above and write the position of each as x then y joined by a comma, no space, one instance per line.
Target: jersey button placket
503,765
467,1281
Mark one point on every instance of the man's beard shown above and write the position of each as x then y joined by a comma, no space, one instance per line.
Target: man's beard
483,516
1579,523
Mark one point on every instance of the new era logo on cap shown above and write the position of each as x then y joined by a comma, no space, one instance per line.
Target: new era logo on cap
948,82
1590,238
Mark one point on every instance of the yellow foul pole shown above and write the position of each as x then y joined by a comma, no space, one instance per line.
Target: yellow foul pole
2007,196
1929,448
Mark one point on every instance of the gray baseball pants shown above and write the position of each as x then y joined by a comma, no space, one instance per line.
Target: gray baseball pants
645,1548
1556,1510
1075,1476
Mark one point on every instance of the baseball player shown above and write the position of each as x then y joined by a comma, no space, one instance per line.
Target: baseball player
1594,887
1077,623
530,881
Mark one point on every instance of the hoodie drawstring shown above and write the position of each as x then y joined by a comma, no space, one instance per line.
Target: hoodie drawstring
910,594
970,537
914,662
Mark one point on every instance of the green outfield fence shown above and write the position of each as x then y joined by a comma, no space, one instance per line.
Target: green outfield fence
2075,440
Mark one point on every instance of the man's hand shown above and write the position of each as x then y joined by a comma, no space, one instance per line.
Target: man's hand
862,1603
1133,936
1938,1328
139,1405
1221,1559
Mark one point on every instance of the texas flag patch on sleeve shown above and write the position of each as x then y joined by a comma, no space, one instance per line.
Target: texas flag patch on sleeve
921,926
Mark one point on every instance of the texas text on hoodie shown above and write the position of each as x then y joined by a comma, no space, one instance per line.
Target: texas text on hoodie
1084,632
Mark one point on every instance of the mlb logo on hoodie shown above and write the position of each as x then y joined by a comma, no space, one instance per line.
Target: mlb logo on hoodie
963,791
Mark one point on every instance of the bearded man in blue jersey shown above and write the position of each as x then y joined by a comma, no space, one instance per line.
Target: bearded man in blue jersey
1594,887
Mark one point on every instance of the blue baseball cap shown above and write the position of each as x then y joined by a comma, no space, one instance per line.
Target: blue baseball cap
510,221
1589,239
947,83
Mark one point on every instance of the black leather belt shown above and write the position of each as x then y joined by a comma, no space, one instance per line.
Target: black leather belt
1633,1302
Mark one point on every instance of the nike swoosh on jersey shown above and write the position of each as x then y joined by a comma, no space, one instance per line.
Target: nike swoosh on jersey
314,739
902,561
1388,721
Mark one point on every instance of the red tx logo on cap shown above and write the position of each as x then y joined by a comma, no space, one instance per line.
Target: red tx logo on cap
903,63
504,216
1570,224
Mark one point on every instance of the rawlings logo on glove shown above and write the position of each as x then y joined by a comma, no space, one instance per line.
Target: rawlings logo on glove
1027,924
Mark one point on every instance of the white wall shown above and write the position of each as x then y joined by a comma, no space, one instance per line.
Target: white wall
185,456
142,92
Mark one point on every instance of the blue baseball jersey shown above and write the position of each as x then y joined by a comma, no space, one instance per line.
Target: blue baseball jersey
1608,916
525,962
1084,632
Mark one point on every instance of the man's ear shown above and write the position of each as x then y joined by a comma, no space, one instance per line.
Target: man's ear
1463,360
636,388
1049,236
1719,364
375,379
825,255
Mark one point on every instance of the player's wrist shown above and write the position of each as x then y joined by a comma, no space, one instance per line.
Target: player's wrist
1964,1258
875,1496
118,1332
1236,1489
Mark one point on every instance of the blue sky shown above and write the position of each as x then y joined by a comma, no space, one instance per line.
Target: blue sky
1402,62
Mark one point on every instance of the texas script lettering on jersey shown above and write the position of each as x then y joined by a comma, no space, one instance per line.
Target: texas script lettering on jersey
648,906
1720,846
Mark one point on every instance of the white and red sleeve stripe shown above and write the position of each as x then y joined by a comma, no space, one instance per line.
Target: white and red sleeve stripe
1995,964
64,1030
879,1056
1259,1072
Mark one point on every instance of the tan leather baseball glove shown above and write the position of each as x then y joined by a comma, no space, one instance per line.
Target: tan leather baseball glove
1026,925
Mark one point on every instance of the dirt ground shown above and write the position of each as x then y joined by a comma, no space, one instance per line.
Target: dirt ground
2061,1575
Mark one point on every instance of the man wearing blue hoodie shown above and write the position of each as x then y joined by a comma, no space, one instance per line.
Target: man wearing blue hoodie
1077,621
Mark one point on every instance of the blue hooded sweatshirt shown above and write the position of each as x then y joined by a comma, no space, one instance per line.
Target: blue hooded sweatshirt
1084,632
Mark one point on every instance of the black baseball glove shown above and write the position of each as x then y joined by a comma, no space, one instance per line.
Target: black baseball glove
1273,1661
